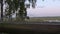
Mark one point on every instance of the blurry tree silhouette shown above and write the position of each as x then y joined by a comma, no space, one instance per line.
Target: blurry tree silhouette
1,10
14,5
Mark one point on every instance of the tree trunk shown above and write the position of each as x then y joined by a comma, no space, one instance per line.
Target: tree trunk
1,10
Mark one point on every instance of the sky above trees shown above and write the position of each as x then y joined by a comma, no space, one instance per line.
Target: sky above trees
45,8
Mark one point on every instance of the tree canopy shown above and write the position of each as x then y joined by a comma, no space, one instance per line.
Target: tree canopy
14,5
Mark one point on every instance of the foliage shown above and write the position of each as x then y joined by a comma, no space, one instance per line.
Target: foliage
14,5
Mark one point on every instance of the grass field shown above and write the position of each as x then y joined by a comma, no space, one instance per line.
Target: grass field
35,28
41,19
37,19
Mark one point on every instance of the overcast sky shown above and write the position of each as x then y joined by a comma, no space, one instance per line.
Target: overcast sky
45,8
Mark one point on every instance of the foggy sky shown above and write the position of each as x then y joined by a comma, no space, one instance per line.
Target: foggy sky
45,8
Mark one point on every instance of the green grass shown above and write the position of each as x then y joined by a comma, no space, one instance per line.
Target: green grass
34,19
41,19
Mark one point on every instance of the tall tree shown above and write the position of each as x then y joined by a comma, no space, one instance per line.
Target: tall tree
9,12
15,4
23,12
2,10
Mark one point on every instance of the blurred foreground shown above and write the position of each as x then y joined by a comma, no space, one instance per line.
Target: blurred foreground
31,26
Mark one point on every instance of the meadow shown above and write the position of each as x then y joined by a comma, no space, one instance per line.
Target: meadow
34,19
42,19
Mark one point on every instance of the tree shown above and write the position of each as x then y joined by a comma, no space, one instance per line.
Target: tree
23,8
15,4
10,8
2,10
